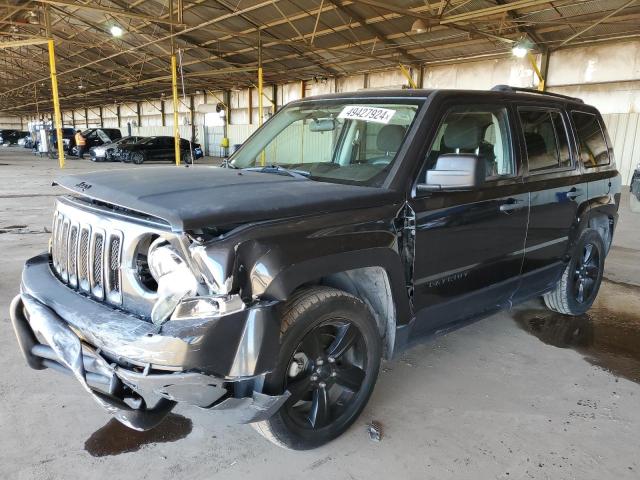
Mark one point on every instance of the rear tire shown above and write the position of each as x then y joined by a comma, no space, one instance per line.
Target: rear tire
329,359
185,158
578,287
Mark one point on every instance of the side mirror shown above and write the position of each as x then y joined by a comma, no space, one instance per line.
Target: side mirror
454,171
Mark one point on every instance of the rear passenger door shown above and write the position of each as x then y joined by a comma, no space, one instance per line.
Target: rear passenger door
469,244
169,151
556,189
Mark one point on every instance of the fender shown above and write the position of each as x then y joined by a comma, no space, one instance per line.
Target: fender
603,198
287,280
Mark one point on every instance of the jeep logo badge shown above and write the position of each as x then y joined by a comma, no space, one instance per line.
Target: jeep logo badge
83,186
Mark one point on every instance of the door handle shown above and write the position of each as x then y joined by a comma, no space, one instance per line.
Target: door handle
511,204
573,194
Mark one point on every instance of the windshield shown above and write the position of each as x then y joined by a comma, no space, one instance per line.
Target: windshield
341,141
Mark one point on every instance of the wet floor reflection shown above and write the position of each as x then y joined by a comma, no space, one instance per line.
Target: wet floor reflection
608,335
114,438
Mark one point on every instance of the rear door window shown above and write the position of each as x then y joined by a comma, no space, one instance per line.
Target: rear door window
594,151
545,138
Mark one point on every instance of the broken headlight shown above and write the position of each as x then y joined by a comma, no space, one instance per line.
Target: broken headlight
175,279
212,271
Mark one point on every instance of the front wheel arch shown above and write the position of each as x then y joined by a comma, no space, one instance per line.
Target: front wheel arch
352,272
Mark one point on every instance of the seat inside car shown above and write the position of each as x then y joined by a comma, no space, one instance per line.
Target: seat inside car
463,133
388,140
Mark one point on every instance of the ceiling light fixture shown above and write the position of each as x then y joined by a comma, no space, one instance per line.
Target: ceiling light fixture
419,26
521,48
116,31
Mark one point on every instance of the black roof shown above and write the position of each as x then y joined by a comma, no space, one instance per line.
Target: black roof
501,91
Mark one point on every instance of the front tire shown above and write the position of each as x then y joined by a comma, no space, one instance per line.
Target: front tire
329,359
137,158
577,289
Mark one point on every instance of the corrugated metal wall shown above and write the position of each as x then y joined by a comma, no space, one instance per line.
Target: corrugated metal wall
607,76
624,131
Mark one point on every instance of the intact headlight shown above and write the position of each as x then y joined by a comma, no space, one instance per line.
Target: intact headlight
99,151
175,279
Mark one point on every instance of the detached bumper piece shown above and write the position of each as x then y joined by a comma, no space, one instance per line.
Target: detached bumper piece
116,358
125,393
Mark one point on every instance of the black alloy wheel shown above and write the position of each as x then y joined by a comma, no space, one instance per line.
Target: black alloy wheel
586,273
578,287
330,352
325,373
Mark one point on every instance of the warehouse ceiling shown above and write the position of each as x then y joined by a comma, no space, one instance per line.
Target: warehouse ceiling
221,42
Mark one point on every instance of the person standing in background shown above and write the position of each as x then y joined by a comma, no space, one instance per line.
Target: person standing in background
81,143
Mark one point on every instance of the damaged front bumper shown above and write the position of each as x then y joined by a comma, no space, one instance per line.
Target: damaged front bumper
138,371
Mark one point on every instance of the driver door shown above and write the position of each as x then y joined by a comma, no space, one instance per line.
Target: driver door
469,244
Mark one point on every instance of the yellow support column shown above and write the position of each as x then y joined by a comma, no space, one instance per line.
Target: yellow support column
56,103
534,65
174,88
408,76
260,93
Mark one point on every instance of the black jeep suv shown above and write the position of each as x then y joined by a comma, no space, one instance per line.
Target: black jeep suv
345,229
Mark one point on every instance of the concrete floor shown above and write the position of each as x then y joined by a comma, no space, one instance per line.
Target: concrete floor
521,394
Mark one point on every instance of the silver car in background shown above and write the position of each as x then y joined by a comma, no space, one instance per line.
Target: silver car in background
105,153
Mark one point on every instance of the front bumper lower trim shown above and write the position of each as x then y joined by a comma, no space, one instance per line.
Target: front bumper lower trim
63,350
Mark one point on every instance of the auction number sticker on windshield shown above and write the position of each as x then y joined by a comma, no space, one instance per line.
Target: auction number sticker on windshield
368,114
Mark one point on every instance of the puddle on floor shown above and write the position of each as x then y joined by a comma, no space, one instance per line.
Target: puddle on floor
608,335
114,438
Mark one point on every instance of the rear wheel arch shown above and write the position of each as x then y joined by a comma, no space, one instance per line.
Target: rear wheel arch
603,223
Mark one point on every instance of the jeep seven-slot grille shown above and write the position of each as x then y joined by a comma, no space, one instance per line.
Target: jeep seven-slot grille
88,258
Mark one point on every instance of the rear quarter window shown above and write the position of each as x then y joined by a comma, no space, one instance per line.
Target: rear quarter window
592,143
545,139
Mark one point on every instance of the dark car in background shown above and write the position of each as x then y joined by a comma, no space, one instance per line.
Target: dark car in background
158,149
6,135
107,151
13,137
67,137
95,137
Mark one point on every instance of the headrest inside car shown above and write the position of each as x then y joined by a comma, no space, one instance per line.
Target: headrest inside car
535,144
464,133
390,138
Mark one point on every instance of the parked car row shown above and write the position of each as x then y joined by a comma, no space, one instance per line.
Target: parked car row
138,150
108,145
12,137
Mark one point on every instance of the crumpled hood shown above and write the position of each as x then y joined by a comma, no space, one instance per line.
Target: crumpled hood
201,196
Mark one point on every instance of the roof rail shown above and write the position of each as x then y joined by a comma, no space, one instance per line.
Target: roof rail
508,88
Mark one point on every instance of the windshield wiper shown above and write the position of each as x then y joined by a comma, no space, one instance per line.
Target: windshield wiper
278,170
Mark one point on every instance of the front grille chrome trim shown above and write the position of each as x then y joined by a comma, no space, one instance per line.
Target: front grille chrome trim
84,258
72,255
112,264
96,264
95,251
